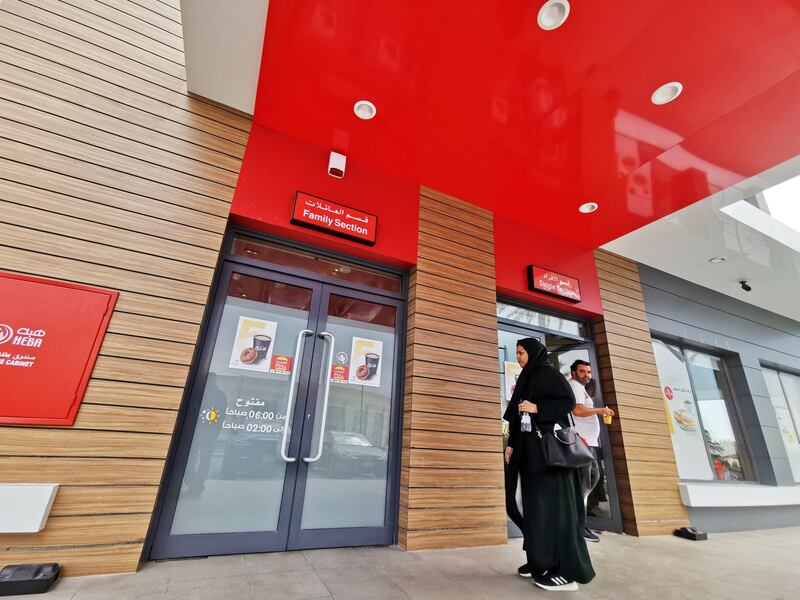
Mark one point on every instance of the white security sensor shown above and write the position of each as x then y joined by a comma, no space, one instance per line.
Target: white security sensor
336,165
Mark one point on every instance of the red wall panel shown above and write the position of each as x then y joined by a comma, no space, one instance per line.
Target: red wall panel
518,245
275,167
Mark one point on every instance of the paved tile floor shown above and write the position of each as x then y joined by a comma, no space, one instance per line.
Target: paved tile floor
751,565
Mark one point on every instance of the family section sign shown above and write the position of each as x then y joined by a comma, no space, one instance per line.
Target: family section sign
337,219
50,336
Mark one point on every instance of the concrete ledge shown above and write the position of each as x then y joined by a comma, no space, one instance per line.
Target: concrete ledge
25,506
720,495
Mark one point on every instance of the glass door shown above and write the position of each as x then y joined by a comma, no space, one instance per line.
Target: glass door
288,434
234,474
344,491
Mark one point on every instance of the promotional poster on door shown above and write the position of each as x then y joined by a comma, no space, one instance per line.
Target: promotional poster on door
365,362
253,347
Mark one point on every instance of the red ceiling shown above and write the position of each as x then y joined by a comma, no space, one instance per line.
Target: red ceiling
475,100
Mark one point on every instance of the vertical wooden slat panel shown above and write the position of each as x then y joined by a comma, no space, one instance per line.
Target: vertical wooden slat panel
451,486
111,175
644,463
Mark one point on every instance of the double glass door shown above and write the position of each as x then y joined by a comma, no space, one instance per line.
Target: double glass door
288,439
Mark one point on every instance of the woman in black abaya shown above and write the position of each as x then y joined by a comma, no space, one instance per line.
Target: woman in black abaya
553,515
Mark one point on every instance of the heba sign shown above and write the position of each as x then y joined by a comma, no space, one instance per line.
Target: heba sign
50,335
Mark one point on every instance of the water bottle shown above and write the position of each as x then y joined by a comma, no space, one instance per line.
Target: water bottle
525,423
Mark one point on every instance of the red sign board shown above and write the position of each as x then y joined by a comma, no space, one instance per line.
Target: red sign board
340,374
327,216
555,284
50,334
280,364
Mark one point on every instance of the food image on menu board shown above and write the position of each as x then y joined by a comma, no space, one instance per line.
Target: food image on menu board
365,362
253,344
685,420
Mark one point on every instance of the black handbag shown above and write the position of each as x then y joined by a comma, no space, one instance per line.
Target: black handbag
564,448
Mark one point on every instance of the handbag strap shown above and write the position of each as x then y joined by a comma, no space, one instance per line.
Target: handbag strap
571,418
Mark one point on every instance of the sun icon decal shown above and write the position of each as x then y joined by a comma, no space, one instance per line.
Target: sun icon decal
210,415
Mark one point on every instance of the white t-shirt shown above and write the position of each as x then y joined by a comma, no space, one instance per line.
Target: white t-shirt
588,427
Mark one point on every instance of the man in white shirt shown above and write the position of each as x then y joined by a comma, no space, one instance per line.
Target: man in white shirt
588,425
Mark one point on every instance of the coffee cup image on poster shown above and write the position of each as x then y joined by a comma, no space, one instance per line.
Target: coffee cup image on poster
366,357
253,344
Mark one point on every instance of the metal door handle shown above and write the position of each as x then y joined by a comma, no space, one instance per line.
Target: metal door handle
292,391
316,457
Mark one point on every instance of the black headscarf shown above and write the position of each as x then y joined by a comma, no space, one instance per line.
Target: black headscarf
537,358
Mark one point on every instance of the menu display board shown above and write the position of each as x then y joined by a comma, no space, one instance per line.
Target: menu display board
684,424
50,336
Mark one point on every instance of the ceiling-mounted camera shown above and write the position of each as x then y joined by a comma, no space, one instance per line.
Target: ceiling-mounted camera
745,287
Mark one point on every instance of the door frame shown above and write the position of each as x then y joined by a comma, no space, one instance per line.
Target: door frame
213,312
614,522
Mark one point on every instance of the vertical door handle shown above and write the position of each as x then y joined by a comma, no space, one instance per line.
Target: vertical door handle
317,456
298,350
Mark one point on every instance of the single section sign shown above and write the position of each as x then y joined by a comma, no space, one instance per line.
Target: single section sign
50,335
555,284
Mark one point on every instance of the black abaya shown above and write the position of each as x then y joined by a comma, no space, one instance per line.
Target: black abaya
553,518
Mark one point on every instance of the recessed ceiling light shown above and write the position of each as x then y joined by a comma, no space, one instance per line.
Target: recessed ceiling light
553,14
588,207
667,93
717,259
364,109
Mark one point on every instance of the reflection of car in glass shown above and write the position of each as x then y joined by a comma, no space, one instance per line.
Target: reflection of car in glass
252,455
352,454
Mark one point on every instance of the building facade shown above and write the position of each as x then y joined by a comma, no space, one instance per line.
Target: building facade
730,369
299,361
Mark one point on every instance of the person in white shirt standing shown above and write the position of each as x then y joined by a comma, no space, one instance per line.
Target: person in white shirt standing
588,425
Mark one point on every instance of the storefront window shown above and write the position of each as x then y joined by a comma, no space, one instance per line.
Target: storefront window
541,320
699,407
784,391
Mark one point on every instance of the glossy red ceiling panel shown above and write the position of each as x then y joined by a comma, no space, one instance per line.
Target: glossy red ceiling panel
475,100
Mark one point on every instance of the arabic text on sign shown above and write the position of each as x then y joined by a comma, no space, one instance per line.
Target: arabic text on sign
259,415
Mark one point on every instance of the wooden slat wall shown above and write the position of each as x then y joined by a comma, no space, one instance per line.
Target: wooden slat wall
451,489
644,462
111,175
